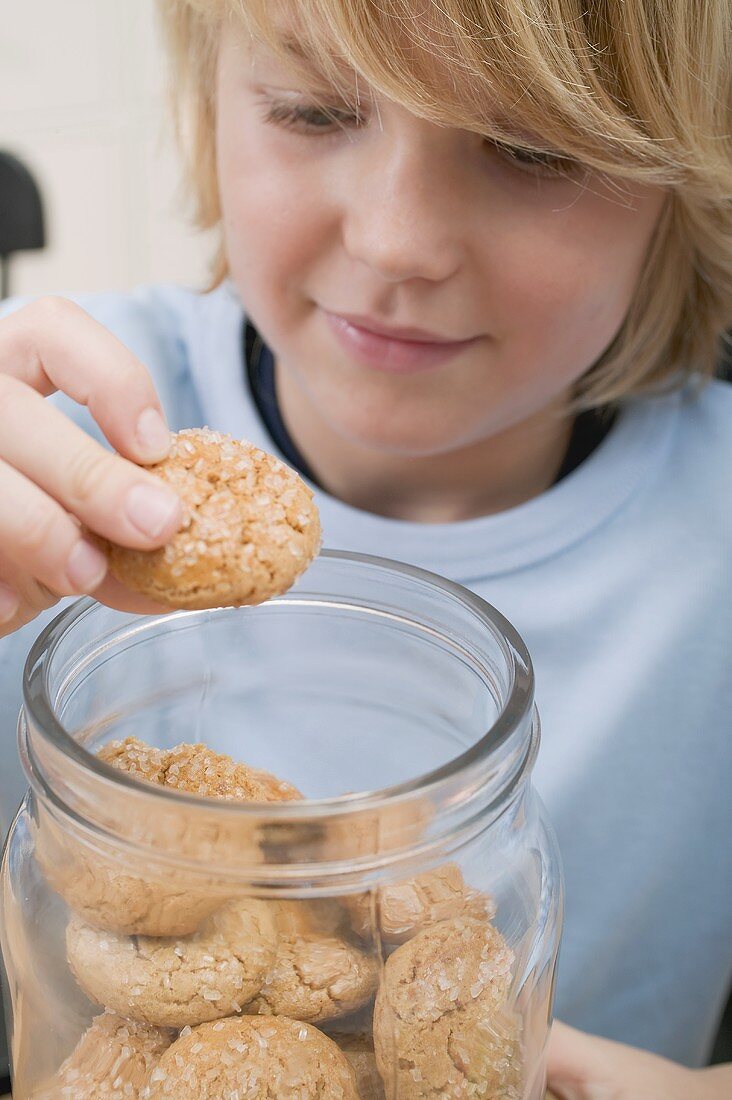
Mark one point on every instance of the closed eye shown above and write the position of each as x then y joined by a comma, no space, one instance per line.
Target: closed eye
535,161
318,120
310,118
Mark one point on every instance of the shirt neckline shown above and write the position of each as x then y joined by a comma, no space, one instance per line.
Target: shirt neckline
540,528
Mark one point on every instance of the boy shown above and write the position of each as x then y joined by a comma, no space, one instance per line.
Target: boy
459,246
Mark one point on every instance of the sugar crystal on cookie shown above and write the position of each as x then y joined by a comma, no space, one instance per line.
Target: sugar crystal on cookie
250,527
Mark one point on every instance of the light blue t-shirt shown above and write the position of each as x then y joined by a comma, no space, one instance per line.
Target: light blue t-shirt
619,579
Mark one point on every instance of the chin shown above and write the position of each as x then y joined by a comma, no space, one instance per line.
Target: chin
408,437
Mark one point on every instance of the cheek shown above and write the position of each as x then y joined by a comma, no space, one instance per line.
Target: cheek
565,286
255,211
273,225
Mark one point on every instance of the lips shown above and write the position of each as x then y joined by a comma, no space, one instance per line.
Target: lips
391,349
393,332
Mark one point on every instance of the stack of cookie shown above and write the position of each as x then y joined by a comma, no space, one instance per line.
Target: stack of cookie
202,999
401,993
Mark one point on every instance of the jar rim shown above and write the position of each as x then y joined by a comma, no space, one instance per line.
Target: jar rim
515,712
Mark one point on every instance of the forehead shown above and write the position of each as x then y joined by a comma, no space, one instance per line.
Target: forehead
351,32
273,39
322,57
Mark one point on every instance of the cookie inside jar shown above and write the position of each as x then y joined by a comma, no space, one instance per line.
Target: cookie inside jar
403,990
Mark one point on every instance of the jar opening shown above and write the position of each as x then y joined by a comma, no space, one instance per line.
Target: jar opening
370,685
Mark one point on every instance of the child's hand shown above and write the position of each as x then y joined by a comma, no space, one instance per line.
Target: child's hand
582,1067
54,477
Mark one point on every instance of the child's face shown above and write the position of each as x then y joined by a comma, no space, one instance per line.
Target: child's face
413,225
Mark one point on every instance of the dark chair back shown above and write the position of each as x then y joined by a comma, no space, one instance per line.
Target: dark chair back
21,215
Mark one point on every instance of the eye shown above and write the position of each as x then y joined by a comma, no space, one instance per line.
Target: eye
309,118
536,162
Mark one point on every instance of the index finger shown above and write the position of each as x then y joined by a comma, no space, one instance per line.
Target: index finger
53,344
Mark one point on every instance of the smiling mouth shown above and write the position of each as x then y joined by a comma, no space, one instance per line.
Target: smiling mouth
397,332
392,350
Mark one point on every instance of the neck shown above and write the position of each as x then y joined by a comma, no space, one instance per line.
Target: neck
476,479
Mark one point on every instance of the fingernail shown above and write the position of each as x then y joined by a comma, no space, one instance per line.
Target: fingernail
9,604
86,566
153,434
151,509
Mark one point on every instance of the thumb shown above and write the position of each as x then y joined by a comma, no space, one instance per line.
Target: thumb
572,1062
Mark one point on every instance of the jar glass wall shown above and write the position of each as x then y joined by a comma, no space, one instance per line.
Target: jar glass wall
392,934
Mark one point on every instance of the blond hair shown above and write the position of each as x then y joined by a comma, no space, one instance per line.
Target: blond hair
634,89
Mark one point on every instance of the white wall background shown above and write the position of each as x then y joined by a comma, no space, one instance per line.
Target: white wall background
82,102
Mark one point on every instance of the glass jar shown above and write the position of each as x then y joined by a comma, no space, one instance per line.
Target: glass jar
394,934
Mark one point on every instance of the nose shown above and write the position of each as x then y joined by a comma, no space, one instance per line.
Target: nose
402,215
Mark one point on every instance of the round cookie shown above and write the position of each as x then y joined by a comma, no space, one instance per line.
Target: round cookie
441,1026
113,1060
177,982
198,770
250,527
133,900
359,1050
254,1057
402,909
316,978
119,895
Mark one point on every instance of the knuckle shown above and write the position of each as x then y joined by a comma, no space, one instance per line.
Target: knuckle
36,528
123,376
52,307
123,379
88,473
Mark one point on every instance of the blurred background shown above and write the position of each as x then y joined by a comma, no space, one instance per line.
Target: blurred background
83,106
